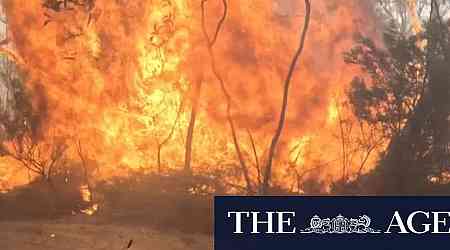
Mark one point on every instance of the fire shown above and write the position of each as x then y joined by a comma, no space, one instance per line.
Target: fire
118,77
298,150
86,195
333,111
415,20
417,25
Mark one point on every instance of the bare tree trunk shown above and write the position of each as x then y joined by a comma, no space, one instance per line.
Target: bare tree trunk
211,43
257,165
344,142
196,95
169,136
190,133
282,119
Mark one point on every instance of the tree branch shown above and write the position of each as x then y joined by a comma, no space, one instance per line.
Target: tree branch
227,95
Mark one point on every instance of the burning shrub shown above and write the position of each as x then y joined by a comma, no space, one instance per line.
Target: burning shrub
43,199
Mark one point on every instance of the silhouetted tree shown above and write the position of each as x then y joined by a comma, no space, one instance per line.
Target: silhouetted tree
283,112
198,85
404,94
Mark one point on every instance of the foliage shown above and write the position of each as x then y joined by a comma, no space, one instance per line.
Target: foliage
395,82
405,96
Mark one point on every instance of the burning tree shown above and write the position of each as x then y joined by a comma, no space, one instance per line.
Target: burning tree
279,130
210,41
20,125
53,183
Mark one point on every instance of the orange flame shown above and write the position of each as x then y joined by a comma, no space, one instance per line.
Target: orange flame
415,20
117,77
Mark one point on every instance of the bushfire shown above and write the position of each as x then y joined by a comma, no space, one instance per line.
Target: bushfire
116,81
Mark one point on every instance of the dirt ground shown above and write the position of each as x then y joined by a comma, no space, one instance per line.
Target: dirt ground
70,235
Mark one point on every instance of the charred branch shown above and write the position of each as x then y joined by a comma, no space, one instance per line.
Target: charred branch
191,127
36,157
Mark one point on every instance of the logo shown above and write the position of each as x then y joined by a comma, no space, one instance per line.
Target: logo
369,223
340,225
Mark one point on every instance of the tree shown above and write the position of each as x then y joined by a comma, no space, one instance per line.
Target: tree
169,136
282,118
20,126
190,133
404,95
210,44
396,81
408,15
198,86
